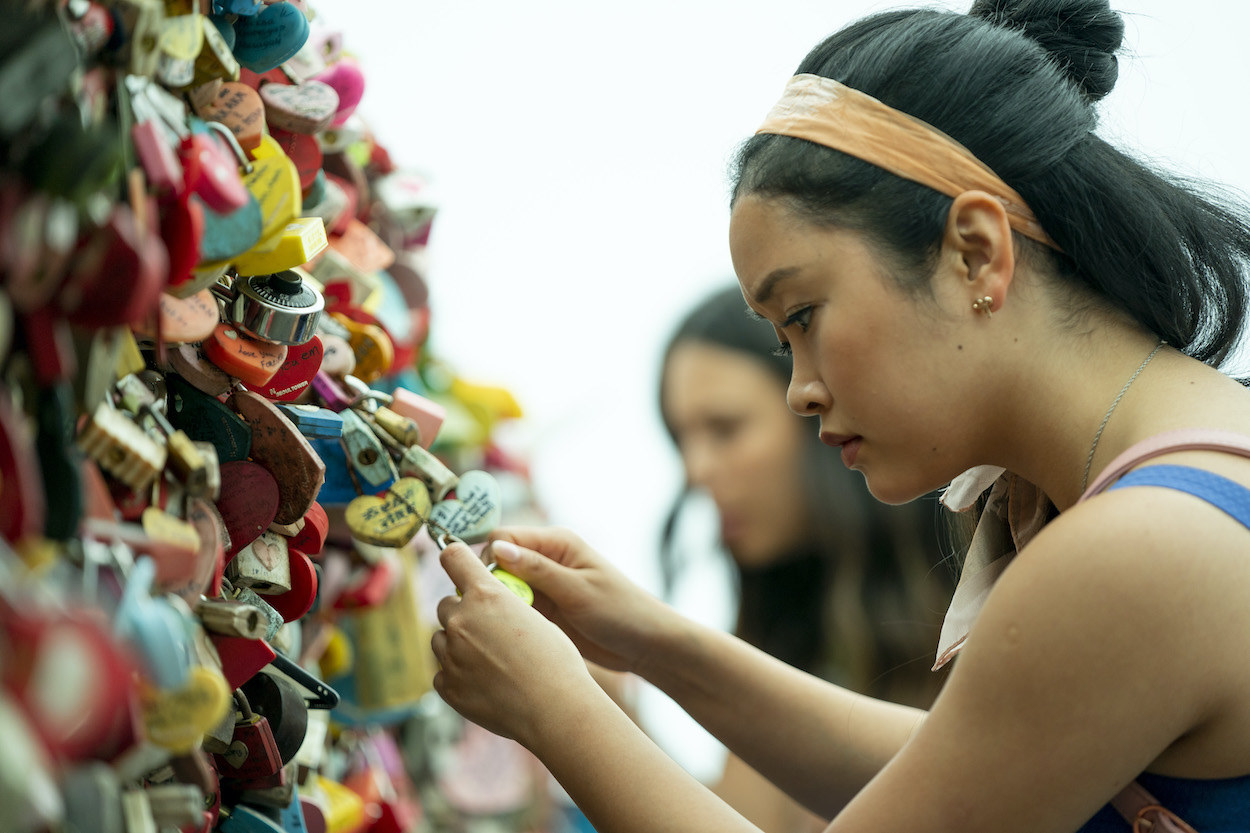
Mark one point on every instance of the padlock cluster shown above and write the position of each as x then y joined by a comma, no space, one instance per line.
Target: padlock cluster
224,445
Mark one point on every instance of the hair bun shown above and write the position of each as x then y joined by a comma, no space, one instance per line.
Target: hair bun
1082,36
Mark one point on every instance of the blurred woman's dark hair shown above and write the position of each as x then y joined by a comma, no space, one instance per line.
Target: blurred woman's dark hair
861,602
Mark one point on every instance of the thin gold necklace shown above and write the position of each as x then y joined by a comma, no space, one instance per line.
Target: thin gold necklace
1107,418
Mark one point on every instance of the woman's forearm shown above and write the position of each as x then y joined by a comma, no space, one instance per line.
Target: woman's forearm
818,742
619,778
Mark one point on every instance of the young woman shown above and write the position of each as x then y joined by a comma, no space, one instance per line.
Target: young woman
827,579
979,291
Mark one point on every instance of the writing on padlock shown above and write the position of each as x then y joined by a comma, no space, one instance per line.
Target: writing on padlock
393,519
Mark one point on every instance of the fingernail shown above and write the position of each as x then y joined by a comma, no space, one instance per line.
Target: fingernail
505,551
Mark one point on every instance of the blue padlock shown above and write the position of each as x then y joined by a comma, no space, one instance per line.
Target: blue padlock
313,421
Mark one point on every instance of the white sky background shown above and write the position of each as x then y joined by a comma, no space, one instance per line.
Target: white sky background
580,152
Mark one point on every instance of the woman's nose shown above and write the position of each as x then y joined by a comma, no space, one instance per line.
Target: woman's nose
806,394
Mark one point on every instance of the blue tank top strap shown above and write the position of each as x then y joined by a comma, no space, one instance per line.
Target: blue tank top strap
1222,493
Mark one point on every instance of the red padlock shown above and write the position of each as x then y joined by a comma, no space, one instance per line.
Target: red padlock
253,754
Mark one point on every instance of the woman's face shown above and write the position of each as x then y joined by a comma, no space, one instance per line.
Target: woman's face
740,442
886,373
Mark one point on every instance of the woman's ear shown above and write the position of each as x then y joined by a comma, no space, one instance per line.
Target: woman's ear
977,242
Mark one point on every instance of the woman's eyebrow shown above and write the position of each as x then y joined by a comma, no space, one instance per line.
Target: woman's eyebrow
769,285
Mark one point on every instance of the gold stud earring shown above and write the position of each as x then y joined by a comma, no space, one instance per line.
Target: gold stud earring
985,305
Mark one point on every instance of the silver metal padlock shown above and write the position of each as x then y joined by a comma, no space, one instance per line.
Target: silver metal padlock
281,308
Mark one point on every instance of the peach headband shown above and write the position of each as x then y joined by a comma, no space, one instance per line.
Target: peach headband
832,114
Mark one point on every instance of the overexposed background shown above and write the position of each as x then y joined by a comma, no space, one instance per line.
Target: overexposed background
580,153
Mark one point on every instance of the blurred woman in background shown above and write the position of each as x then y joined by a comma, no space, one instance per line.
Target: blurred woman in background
828,579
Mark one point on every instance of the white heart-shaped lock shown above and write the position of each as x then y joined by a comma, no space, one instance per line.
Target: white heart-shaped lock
473,512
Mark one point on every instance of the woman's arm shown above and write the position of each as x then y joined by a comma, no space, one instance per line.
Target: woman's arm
817,742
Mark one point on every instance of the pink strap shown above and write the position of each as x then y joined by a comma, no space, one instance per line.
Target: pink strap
1138,807
1143,811
1185,439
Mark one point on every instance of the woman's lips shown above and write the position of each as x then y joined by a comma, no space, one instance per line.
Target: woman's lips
849,443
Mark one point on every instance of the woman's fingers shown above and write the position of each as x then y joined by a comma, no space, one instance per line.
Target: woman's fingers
463,566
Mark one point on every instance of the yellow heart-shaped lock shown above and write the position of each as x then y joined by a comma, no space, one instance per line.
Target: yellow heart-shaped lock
392,520
177,720
274,181
182,36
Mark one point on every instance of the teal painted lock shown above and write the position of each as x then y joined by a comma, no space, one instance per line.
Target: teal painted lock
270,38
206,419
227,236
366,454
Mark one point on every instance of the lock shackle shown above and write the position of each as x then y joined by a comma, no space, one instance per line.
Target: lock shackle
228,135
245,708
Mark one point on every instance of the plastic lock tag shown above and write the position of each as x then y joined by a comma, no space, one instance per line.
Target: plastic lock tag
210,559
248,359
374,351
204,418
348,81
216,60
293,379
313,421
179,44
474,511
304,152
248,503
188,362
299,242
241,658
393,519
425,412
239,108
274,182
300,108
280,447
363,247
211,166
268,39
184,320
177,719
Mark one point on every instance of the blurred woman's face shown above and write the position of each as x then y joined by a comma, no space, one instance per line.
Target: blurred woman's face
741,443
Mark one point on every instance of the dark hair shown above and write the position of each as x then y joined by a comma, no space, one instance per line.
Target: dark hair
1016,81
863,600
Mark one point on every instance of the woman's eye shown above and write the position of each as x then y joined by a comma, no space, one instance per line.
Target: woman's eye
783,350
801,317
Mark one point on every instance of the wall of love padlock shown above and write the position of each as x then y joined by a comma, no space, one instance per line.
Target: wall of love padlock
224,440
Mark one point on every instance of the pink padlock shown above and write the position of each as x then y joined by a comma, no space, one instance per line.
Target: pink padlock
349,82
426,413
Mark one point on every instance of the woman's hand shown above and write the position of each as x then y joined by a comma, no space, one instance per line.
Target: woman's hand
613,621
501,664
